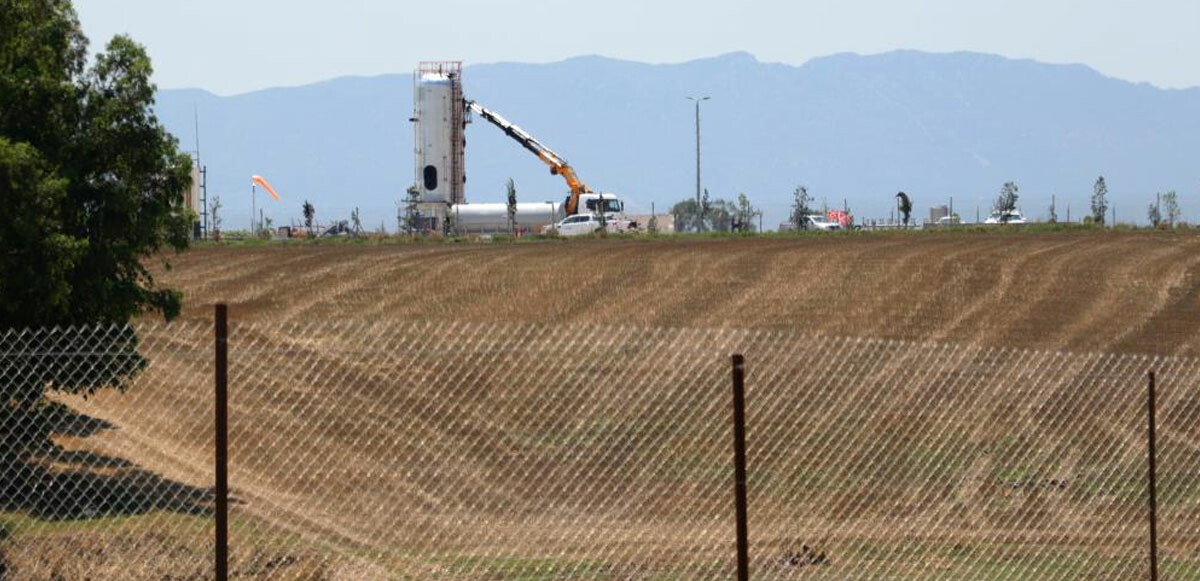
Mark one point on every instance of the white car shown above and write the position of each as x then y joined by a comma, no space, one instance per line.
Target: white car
1014,217
819,222
584,224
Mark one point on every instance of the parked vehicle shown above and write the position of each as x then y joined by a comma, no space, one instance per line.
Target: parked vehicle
584,224
819,222
1013,217
813,222
842,218
491,218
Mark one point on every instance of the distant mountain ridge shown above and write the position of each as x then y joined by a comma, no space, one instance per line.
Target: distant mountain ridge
850,127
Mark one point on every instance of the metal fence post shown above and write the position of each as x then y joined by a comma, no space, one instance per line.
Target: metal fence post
221,415
739,462
1153,478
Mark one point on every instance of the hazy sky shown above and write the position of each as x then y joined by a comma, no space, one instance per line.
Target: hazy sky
234,46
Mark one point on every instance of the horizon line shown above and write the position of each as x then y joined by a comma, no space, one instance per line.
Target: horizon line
720,56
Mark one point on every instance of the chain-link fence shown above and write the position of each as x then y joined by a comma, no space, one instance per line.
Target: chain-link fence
477,451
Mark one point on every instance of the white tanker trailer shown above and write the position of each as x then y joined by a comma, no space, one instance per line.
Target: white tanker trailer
493,218
533,217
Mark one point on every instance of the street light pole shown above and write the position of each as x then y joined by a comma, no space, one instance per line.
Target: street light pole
697,100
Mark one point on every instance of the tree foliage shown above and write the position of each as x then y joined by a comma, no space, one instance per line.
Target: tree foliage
36,284
356,227
1006,202
92,186
309,212
410,220
708,215
1099,201
100,178
1170,208
687,215
721,216
214,216
695,215
511,189
801,203
745,215
904,205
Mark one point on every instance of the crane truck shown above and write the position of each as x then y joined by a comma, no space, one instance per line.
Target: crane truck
606,209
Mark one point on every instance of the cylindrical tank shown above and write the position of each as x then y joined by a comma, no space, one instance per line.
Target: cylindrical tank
493,218
434,133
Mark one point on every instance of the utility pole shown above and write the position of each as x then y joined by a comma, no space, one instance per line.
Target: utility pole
204,202
203,174
253,209
697,100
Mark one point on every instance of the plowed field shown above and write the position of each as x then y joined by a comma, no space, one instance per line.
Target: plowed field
370,441
1081,291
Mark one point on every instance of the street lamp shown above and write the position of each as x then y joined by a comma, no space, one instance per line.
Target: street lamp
697,100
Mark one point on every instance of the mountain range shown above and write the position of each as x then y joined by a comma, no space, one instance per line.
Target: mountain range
853,129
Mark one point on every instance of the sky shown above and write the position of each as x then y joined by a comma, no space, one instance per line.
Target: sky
236,46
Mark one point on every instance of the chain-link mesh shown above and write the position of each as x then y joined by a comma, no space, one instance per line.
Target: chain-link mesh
116,484
474,451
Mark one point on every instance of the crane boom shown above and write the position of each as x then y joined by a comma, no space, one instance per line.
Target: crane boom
558,165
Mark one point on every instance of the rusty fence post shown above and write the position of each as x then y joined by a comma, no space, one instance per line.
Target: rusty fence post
1151,449
221,416
739,463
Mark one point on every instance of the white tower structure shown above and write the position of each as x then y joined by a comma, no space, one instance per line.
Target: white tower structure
439,137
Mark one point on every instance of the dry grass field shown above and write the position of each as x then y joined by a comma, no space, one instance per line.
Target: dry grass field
1131,292
404,412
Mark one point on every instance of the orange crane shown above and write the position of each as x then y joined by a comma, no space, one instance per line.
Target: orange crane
558,165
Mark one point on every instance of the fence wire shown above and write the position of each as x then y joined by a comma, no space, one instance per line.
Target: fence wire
508,451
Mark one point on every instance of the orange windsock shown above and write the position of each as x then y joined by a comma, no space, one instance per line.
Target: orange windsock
257,179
